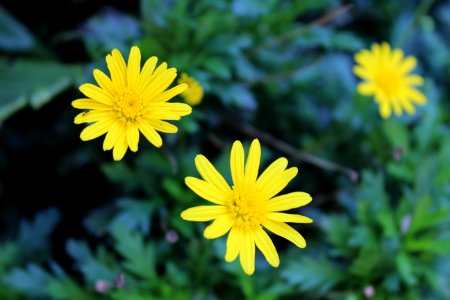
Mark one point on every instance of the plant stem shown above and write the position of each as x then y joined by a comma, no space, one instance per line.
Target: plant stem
330,16
291,150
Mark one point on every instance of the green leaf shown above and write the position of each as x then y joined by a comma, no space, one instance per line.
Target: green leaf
313,274
429,244
135,214
425,217
347,41
66,289
34,234
397,134
32,82
92,267
367,262
405,268
13,35
140,257
338,230
31,280
9,254
218,67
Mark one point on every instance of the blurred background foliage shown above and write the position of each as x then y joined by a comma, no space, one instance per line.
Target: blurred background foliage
76,225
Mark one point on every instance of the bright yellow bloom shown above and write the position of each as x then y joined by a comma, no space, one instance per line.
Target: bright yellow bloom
386,75
132,101
248,205
194,93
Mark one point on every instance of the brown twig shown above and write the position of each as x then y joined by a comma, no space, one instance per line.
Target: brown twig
292,151
320,21
285,75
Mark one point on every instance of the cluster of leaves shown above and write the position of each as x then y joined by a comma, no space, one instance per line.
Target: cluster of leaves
263,64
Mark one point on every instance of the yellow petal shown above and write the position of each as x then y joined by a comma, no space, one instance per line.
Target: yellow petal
94,116
95,130
169,111
364,58
118,58
362,72
96,93
366,88
288,201
87,103
416,96
395,103
252,164
206,190
233,244
118,72
265,244
286,232
385,52
414,80
147,71
114,133
150,133
162,126
134,68
159,83
278,182
397,56
210,174
132,136
237,163
376,50
203,213
218,228
408,64
105,83
120,147
247,253
385,110
275,169
169,94
288,218
407,106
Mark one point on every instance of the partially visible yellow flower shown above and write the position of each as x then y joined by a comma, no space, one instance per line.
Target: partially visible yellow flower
194,93
131,101
248,205
386,75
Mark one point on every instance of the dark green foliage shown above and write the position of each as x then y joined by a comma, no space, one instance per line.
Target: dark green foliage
277,70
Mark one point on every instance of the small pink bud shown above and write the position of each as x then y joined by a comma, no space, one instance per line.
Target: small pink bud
405,223
369,291
119,281
102,286
171,236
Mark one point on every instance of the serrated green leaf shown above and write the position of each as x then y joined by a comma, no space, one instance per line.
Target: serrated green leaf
135,214
139,255
406,268
33,235
66,289
31,280
313,274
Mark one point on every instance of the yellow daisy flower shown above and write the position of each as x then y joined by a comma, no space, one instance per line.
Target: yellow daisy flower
194,93
248,205
131,101
386,75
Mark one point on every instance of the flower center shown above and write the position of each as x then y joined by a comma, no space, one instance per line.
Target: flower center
389,80
129,106
245,206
